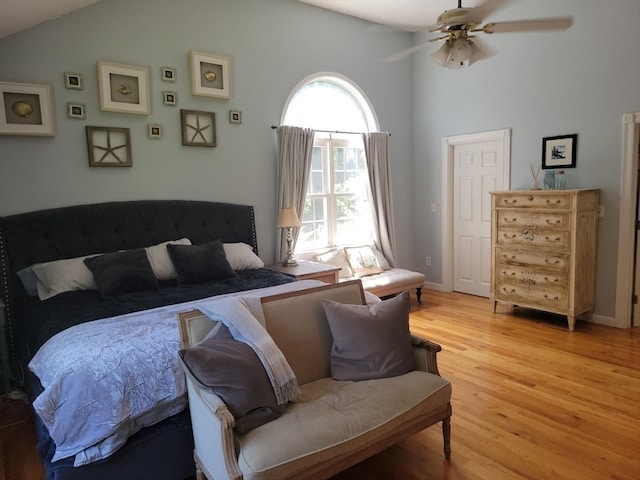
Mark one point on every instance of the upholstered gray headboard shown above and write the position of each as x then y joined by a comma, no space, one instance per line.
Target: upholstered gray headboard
69,232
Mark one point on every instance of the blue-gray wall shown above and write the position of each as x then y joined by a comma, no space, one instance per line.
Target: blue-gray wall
543,84
538,85
274,44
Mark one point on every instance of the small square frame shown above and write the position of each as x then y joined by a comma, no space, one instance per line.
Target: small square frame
198,128
26,109
210,74
170,98
235,116
76,111
73,81
169,74
123,88
109,147
156,131
559,151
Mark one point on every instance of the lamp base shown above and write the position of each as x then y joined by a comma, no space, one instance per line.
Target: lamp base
290,262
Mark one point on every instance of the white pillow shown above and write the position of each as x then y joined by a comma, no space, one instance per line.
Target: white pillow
161,264
336,258
62,276
382,260
241,257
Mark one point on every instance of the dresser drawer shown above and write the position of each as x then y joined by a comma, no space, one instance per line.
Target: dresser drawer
532,236
512,218
533,200
545,299
535,258
531,277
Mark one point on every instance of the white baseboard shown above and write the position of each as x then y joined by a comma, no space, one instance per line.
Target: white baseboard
435,286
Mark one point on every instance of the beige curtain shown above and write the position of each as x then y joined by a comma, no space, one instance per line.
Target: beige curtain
295,147
376,150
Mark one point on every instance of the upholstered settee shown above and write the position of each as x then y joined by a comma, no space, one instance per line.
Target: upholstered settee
369,265
333,424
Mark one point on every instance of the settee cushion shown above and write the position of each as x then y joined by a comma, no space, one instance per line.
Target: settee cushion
200,263
122,272
218,362
363,260
370,342
333,418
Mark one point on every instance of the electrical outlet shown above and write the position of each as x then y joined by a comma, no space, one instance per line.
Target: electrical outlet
427,261
433,207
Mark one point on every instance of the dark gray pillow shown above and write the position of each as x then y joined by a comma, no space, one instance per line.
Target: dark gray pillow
200,263
233,371
370,342
122,272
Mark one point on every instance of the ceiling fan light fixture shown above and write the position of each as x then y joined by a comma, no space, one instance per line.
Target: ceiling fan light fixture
441,56
460,50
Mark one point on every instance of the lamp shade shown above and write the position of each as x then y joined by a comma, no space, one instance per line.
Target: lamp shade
288,218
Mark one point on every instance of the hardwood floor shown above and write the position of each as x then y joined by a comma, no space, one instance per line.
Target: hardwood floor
531,400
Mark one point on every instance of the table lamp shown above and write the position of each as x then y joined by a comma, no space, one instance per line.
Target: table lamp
288,219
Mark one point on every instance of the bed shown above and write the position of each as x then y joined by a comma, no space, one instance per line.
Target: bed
164,448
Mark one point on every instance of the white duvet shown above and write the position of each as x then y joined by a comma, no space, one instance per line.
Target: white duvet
104,380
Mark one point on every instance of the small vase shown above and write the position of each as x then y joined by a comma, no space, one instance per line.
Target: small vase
534,184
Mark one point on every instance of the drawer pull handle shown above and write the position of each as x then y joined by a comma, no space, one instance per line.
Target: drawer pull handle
513,220
549,222
549,239
506,274
546,279
512,236
506,290
530,198
555,262
555,299
507,257
510,202
556,202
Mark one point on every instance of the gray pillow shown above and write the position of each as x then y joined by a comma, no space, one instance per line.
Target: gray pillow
370,342
233,371
122,272
200,263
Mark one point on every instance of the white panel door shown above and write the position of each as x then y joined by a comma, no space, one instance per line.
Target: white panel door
477,170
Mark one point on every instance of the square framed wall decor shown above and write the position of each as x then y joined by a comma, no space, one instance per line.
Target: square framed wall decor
73,81
198,128
26,109
559,151
109,147
76,111
123,88
210,74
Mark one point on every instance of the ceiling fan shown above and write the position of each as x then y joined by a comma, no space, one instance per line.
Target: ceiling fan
459,26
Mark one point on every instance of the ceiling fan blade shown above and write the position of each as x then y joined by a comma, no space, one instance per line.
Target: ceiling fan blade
405,53
479,13
538,25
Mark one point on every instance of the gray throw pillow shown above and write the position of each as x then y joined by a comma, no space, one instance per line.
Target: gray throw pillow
122,272
370,342
233,371
200,263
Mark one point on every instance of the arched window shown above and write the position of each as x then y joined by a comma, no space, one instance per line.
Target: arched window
336,209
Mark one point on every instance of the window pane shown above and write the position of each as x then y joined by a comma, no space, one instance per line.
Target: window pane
353,220
314,231
349,170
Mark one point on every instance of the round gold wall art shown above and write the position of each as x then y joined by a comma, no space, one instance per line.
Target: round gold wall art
22,108
210,76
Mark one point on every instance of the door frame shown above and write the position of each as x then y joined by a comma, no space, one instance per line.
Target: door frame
448,144
626,229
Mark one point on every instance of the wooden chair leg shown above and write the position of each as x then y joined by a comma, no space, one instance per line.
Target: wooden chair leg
419,294
446,436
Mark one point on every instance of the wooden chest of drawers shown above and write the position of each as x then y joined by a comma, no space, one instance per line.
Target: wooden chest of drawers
543,250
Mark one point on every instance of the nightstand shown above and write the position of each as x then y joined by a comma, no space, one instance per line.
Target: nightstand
307,270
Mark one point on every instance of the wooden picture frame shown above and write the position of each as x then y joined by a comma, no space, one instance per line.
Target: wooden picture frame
210,74
109,147
123,88
170,98
198,128
169,74
559,151
156,131
235,117
26,109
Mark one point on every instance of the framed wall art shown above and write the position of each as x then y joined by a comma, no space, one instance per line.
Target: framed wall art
109,147
170,98
560,151
210,74
73,81
235,116
198,128
155,131
26,109
123,88
76,111
169,74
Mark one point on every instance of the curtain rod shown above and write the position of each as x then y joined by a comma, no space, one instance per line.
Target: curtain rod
330,131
